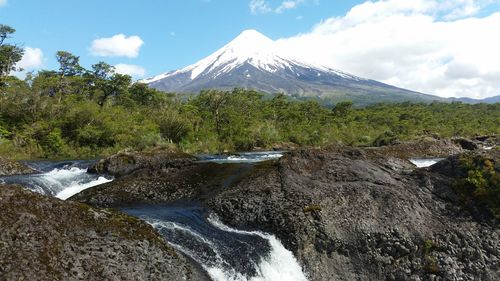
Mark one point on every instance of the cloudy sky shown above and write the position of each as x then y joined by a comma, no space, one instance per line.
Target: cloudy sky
447,47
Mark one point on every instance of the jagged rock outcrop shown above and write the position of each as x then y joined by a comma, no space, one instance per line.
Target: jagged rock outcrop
9,168
424,147
169,181
43,238
126,162
349,216
346,213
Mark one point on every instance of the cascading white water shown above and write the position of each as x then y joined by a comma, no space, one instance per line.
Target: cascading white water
61,182
244,157
424,162
77,184
225,253
279,264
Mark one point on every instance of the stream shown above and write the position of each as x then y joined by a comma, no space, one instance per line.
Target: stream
227,254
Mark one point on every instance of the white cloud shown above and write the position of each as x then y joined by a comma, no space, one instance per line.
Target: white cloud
130,69
117,46
288,5
3,2
430,46
259,7
263,7
32,59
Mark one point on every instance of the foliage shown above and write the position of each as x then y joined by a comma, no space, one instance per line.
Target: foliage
102,112
480,182
78,112
312,208
9,54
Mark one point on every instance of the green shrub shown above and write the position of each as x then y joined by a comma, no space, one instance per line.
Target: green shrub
480,182
312,208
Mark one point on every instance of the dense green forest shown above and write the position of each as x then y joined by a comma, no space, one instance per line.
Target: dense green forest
75,112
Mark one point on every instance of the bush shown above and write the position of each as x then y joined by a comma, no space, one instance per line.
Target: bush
480,182
387,138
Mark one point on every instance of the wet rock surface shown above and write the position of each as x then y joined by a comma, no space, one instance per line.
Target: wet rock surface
126,162
425,147
44,238
347,215
165,183
9,168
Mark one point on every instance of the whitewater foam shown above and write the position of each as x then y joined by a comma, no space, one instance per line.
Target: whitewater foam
424,162
78,187
246,157
59,182
277,263
280,264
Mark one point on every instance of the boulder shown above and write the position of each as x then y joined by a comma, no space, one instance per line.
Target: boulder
466,143
9,168
424,147
347,215
179,180
126,162
43,238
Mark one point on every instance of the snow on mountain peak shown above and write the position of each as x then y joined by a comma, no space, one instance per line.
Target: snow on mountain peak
250,39
251,47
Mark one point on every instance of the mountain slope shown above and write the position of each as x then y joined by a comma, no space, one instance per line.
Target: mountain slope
252,61
493,99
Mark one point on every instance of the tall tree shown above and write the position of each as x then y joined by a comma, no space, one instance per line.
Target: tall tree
69,64
10,54
5,32
102,70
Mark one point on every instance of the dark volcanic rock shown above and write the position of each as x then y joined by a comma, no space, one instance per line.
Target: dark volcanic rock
9,168
346,213
174,180
489,141
127,162
466,144
425,147
351,215
44,238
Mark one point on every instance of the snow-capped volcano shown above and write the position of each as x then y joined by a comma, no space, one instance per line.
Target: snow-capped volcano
250,47
254,61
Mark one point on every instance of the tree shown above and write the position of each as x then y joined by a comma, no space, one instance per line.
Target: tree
5,31
116,87
342,108
69,67
214,101
10,54
69,64
143,95
102,70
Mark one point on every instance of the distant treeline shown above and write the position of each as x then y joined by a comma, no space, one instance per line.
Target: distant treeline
76,112
50,115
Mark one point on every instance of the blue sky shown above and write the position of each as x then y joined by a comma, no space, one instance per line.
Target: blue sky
175,33
442,47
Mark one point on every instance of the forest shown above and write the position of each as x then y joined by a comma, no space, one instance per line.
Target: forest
74,112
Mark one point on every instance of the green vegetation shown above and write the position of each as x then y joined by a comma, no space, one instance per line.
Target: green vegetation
312,208
81,113
430,262
481,182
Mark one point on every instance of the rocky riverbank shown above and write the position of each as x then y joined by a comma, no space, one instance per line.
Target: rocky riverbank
43,238
348,216
9,167
175,180
346,213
